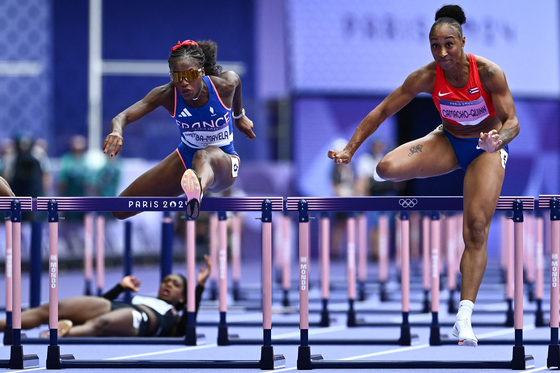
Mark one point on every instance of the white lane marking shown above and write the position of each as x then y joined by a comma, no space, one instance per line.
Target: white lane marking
164,352
535,370
313,332
402,349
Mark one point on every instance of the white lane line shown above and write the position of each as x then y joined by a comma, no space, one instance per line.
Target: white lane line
503,331
402,349
314,332
164,352
535,370
26,370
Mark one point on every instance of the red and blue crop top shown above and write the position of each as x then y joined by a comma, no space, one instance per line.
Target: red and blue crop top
467,106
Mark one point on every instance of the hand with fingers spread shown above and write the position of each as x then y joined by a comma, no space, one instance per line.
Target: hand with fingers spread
245,126
489,141
203,273
113,143
131,283
343,156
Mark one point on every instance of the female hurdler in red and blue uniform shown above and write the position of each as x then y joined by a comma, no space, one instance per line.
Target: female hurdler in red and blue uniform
478,122
204,102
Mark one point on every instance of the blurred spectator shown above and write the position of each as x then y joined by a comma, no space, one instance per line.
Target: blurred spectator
8,154
73,174
40,151
108,178
26,177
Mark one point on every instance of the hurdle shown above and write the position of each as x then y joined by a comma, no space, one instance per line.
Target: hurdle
304,205
552,203
17,359
57,361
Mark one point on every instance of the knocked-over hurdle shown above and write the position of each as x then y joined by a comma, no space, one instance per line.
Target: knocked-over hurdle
56,361
303,206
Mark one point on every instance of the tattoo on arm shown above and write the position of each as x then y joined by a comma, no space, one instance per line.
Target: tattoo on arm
485,72
506,135
415,149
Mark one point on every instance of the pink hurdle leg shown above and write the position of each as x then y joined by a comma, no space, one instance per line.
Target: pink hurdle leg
398,243
362,255
100,251
286,259
236,254
555,257
530,253
510,277
435,242
324,244
53,278
16,279
223,338
518,265
426,277
383,255
190,240
351,268
539,264
213,244
451,256
88,251
405,338
9,283
304,264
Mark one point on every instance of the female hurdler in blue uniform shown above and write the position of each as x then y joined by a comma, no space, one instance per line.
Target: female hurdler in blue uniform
204,102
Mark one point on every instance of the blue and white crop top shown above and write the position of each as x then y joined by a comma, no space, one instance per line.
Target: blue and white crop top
203,126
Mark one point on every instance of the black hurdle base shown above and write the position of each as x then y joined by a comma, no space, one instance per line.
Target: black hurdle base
114,340
8,338
20,361
519,361
268,361
553,359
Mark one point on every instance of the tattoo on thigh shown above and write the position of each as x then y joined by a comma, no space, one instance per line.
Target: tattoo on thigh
415,149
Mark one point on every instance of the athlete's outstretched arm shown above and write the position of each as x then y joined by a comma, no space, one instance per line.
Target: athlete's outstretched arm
114,141
243,124
494,81
419,81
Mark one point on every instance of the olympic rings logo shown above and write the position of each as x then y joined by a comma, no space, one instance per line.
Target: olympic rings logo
408,203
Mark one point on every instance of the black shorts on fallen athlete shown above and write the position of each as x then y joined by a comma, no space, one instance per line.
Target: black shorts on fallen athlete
145,318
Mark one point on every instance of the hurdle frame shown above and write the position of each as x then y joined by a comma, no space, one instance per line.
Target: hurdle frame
55,360
306,361
17,358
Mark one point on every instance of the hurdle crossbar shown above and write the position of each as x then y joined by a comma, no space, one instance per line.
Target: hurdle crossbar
54,359
404,204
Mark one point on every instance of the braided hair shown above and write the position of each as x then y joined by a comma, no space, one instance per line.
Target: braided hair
204,54
452,15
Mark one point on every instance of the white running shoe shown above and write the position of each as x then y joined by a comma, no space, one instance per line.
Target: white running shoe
463,330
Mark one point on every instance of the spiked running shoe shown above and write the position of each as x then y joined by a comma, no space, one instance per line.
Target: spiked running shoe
64,327
193,190
463,330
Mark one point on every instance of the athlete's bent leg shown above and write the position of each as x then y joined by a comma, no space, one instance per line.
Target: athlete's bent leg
163,180
214,168
117,323
431,155
5,190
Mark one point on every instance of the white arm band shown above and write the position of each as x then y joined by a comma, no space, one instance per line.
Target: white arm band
240,115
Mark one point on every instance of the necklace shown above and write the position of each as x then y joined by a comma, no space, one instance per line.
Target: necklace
199,93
